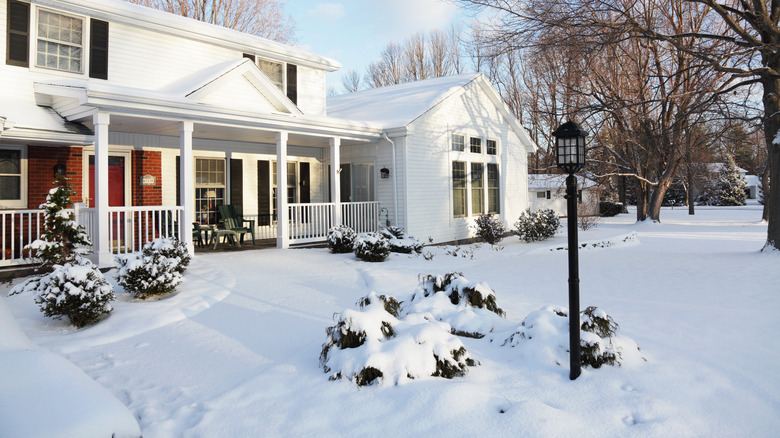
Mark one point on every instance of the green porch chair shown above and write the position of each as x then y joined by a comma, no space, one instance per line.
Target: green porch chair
232,219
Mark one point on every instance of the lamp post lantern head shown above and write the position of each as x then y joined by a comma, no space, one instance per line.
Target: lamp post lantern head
570,147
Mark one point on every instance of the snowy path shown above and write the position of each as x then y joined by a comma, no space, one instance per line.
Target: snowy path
235,352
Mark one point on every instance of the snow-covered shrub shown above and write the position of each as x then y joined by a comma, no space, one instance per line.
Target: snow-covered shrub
537,225
731,187
609,209
371,247
372,346
469,308
155,270
490,228
62,240
399,241
75,289
543,335
341,239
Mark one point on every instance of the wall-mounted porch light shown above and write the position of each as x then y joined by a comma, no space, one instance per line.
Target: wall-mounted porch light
384,173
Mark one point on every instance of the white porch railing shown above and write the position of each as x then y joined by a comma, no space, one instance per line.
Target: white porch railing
19,228
131,227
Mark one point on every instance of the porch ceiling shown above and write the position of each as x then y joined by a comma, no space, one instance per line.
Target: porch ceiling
155,126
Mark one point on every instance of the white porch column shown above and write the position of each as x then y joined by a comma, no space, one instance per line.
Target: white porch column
102,246
186,185
283,227
335,179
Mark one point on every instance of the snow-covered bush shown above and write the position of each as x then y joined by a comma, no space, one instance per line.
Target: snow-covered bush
490,228
62,240
371,247
543,335
399,241
469,308
537,225
371,345
155,270
341,239
75,289
731,187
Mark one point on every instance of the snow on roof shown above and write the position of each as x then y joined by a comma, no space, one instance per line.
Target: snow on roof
752,180
22,114
396,105
141,16
545,181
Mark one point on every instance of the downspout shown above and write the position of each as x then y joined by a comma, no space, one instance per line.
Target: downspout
395,180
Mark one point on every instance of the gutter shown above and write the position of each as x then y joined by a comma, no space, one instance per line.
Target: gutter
395,180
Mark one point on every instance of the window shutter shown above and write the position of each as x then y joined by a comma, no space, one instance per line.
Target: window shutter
264,193
18,36
292,83
236,182
98,49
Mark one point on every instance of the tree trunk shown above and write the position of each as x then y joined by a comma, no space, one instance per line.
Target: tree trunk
690,192
771,128
657,197
622,193
765,189
641,201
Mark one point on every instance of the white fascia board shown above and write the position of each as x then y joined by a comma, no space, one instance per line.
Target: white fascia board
170,24
38,136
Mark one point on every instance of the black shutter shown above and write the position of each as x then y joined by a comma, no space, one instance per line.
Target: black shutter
305,194
178,181
18,36
264,193
292,83
236,182
98,49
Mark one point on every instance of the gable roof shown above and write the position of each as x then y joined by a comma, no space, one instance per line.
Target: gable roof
22,120
399,105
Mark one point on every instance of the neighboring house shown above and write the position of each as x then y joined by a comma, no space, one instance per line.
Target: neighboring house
752,182
158,119
548,191
752,186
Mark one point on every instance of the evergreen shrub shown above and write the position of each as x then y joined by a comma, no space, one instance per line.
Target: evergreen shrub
490,228
399,241
341,239
371,247
609,209
537,225
157,269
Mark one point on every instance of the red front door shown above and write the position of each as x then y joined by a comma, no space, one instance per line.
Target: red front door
116,195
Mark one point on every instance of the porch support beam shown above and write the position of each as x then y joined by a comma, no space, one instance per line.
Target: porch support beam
335,178
283,227
186,184
102,248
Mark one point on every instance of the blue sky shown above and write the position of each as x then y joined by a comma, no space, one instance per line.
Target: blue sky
354,32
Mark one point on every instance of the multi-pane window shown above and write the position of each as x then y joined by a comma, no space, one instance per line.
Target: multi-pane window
477,188
209,189
490,146
493,190
458,142
292,195
59,42
459,188
476,145
274,71
10,174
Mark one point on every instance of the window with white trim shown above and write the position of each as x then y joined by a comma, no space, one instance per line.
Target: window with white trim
477,188
59,43
459,185
458,142
493,189
482,182
209,189
491,147
13,180
476,145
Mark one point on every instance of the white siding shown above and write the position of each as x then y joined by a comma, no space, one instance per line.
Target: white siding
429,155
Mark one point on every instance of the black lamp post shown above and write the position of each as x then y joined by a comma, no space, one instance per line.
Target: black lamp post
570,155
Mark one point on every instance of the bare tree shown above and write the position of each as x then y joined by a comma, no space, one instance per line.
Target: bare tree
264,18
351,81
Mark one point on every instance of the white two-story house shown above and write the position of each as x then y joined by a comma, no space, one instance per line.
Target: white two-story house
159,119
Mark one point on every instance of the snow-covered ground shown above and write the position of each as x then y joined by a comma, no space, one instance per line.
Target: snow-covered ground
235,351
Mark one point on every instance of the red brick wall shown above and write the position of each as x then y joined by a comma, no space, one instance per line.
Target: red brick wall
40,168
147,163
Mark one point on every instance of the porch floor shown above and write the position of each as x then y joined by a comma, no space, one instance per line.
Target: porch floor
246,246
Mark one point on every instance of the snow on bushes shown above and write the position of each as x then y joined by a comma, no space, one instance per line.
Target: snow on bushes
75,289
469,308
537,225
544,336
490,228
399,241
157,269
372,345
341,239
371,247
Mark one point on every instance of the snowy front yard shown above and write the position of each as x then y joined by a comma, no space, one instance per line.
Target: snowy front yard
236,351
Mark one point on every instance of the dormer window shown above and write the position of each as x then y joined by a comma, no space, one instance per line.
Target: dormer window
59,42
276,73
